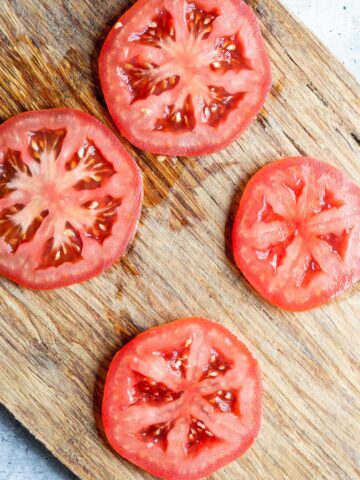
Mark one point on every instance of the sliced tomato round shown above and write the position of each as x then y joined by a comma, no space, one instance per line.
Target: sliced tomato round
70,198
183,400
185,77
297,232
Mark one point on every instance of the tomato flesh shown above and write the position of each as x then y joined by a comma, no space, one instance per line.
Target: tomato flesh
183,400
70,198
183,77
296,233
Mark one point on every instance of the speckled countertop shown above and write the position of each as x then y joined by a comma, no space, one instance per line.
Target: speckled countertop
337,24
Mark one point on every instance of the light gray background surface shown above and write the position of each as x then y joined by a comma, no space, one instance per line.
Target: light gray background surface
337,24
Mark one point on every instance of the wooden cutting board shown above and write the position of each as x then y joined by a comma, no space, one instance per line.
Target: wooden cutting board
55,347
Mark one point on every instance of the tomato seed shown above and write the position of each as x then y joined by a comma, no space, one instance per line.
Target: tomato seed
188,342
35,146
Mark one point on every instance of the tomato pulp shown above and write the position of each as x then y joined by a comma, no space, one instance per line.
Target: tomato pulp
183,400
296,235
185,77
70,198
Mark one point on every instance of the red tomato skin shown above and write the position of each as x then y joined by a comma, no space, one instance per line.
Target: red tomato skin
185,151
141,462
277,299
98,269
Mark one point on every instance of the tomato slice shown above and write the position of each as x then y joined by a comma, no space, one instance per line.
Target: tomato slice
185,77
70,198
296,235
183,400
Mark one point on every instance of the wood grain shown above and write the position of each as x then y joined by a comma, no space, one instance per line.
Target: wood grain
55,347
